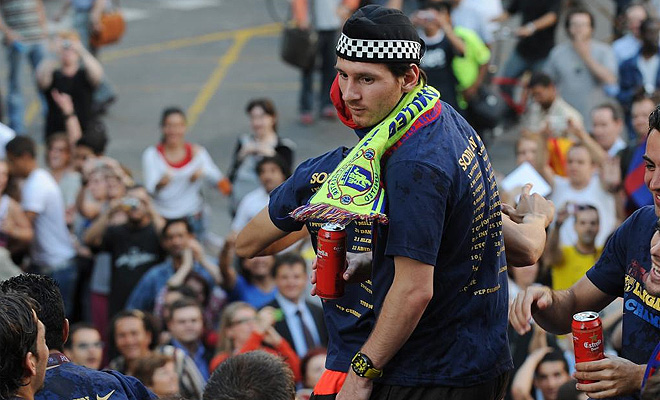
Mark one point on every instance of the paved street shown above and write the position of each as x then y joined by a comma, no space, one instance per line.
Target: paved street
208,57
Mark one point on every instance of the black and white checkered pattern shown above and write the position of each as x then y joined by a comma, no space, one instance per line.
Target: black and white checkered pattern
376,50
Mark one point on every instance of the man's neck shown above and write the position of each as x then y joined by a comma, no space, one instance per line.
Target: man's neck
263,282
191,347
579,185
138,224
585,248
176,262
25,392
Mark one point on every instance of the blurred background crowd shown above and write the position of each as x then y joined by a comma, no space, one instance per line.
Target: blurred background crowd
143,252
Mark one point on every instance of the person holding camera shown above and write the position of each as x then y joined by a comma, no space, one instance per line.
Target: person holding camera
184,255
76,73
134,246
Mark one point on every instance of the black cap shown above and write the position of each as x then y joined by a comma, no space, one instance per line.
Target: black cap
380,35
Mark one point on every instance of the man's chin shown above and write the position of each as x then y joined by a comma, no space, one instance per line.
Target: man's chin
652,286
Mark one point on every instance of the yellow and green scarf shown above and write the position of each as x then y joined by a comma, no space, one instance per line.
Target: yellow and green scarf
353,191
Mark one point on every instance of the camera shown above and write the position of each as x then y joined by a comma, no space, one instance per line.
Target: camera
130,203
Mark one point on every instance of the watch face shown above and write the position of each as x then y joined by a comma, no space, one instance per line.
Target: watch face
360,365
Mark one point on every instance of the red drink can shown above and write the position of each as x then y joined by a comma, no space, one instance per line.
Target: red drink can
588,341
330,261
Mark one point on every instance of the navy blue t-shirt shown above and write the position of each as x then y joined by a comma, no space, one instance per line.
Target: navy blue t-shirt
70,381
350,318
444,210
621,271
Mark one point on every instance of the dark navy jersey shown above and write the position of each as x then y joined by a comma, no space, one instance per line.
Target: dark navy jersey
621,271
350,318
69,381
444,210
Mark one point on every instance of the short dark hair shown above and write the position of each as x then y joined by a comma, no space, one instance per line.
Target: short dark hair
617,112
148,322
586,207
171,111
654,119
265,104
554,355
95,138
540,79
171,222
399,69
277,160
78,326
578,10
46,293
183,303
442,6
18,336
646,24
287,259
21,145
251,376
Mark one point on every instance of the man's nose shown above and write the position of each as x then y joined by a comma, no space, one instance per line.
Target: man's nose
350,91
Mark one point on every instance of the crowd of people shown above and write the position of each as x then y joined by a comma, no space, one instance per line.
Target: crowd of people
107,283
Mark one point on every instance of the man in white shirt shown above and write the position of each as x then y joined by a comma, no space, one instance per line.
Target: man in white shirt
52,251
272,171
608,127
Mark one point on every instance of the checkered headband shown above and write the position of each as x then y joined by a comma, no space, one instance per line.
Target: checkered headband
371,50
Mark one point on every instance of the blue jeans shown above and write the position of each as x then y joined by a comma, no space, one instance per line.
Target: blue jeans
67,278
327,40
35,52
81,24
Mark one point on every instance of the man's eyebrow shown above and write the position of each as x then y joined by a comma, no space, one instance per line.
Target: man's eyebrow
648,159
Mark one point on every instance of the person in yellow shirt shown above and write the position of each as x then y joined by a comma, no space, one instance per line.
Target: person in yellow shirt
570,263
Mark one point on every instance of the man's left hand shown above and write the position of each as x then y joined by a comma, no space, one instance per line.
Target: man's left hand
530,205
614,376
355,388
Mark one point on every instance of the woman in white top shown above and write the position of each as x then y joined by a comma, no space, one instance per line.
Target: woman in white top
250,149
175,170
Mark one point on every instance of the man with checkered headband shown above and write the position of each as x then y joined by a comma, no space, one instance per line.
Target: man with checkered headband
420,179
423,176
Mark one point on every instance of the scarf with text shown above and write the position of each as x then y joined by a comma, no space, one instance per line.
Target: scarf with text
353,191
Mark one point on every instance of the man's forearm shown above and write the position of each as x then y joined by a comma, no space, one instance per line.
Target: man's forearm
557,318
402,309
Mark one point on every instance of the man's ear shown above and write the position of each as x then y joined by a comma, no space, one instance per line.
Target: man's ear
65,331
30,365
410,78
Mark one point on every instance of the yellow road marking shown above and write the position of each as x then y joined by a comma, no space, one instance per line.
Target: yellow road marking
262,30
212,84
32,111
241,36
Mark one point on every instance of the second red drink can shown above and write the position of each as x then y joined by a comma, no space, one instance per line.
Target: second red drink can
587,338
330,261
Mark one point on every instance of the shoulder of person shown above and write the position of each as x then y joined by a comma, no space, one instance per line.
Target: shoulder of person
286,142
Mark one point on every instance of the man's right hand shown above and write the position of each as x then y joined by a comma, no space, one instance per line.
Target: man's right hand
358,269
532,299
